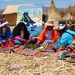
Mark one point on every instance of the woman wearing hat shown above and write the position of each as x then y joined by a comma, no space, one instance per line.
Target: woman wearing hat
66,35
5,34
48,34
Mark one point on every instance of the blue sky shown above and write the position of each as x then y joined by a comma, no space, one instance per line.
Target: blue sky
58,3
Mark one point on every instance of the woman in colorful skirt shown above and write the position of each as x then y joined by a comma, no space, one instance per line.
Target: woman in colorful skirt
6,39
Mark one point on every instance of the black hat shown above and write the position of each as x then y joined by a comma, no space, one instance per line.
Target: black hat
62,24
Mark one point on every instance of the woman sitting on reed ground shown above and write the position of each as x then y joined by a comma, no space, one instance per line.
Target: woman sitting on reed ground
48,34
21,34
6,39
66,35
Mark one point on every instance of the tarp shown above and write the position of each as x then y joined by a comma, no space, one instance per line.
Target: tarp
31,15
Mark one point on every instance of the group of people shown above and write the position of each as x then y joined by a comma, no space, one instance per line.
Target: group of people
60,35
19,35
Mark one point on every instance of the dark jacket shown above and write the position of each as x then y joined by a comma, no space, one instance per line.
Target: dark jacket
16,31
8,34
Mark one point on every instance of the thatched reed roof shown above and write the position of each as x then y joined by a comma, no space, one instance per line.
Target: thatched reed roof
53,13
12,9
68,15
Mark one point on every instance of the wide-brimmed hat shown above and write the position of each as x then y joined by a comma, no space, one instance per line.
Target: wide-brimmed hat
50,23
62,25
3,22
